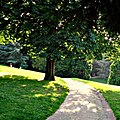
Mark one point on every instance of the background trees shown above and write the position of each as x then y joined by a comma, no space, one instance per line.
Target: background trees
10,54
66,67
114,77
60,29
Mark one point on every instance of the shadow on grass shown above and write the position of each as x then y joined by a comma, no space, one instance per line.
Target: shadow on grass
100,80
25,99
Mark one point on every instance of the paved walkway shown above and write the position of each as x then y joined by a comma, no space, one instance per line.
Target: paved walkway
83,103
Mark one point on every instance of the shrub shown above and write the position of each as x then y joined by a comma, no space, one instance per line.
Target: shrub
73,68
114,77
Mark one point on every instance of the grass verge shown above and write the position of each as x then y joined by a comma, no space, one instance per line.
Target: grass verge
25,98
110,92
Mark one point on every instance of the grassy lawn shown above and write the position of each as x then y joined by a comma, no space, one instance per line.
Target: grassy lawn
110,92
23,96
26,73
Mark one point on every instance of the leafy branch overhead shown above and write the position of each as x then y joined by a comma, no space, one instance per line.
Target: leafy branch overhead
67,23
57,29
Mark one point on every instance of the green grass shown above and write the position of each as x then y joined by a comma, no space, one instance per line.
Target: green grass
24,97
110,92
99,80
27,73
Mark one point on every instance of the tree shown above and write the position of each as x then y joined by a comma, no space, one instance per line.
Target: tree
66,67
114,77
59,29
10,53
73,68
114,57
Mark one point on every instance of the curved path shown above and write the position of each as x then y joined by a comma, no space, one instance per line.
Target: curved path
83,103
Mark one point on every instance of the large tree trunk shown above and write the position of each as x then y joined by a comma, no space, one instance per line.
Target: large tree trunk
50,70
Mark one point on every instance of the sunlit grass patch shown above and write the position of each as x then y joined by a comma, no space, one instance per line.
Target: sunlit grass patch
23,97
110,92
22,72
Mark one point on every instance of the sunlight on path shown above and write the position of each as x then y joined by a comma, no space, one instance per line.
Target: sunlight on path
83,103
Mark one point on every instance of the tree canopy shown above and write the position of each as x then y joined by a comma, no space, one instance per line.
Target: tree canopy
62,28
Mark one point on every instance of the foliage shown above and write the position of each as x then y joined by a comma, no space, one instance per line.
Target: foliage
73,68
28,99
66,68
1,38
114,57
63,23
114,77
58,29
114,53
10,53
111,94
38,63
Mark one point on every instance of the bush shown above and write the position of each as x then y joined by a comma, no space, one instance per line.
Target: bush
114,77
73,68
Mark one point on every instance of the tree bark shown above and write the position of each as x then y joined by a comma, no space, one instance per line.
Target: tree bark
50,70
